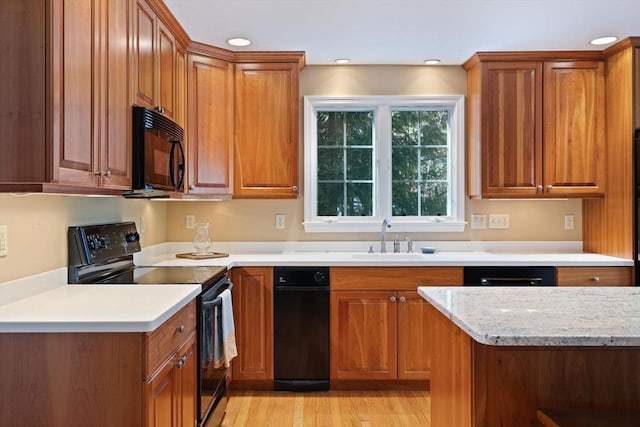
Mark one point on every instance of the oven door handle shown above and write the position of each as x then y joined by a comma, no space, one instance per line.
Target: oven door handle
216,301
488,281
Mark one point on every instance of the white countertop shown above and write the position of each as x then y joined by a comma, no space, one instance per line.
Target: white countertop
542,316
45,303
309,255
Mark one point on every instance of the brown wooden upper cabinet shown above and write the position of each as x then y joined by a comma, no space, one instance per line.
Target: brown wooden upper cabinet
266,129
154,71
65,115
535,125
210,127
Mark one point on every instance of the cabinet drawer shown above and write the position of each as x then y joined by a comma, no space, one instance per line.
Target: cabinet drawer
165,340
594,276
393,278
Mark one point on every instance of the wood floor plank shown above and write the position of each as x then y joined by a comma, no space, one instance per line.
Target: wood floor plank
328,409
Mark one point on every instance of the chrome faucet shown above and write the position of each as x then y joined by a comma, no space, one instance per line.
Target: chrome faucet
383,246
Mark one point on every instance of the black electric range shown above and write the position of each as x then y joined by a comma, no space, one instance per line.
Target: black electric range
103,254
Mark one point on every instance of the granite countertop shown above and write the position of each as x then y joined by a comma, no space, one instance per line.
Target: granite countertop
542,316
45,303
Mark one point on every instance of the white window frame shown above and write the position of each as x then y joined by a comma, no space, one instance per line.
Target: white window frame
382,106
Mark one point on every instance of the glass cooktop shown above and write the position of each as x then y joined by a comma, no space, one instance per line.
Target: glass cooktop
167,275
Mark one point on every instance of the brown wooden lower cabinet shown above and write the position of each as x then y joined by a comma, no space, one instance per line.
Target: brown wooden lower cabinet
595,276
481,385
253,318
101,379
379,324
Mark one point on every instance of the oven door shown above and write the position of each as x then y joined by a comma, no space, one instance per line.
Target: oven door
212,375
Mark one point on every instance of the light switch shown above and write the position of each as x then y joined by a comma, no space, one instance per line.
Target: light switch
4,241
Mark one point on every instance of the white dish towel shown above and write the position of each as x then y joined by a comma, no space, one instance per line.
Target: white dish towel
228,329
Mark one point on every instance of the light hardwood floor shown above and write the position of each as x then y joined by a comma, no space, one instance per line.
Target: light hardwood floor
334,408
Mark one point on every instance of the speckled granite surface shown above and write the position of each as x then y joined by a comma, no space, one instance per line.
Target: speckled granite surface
542,316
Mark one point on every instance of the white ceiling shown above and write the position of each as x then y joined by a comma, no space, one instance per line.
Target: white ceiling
406,31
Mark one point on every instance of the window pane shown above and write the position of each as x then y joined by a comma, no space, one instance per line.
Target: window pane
405,127
404,163
359,126
434,199
359,164
330,164
330,199
433,163
330,128
434,127
360,199
405,199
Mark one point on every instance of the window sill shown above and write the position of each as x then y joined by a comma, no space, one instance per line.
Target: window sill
397,225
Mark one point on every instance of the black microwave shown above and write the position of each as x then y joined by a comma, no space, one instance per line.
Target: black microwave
157,153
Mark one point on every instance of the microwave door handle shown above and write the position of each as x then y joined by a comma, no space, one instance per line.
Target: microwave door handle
180,166
171,159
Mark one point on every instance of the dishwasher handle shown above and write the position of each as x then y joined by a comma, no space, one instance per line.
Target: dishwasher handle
504,281
303,288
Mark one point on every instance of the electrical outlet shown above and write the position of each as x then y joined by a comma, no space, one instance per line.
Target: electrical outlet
569,222
190,222
478,222
499,221
4,241
280,221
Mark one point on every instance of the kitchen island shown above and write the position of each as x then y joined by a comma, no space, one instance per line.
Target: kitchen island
504,352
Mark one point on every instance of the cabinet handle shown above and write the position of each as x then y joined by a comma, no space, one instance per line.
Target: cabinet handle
549,187
539,187
160,109
295,188
180,329
180,363
393,299
595,279
403,299
103,173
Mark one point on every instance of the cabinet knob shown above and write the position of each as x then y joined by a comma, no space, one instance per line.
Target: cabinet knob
595,279
192,187
539,187
107,173
549,187
180,329
160,109
180,363
393,299
403,299
295,188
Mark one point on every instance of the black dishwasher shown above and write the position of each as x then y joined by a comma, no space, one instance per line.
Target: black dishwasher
301,328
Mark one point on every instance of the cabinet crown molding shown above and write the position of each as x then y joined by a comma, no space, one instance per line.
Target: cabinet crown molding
519,56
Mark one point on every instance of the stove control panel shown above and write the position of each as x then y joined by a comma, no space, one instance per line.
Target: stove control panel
91,244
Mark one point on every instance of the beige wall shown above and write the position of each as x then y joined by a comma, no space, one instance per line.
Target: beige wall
37,226
254,220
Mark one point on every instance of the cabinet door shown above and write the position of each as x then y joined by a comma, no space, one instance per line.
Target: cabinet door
574,134
363,335
76,50
511,128
188,384
166,71
266,125
115,140
171,393
414,344
143,70
210,124
253,317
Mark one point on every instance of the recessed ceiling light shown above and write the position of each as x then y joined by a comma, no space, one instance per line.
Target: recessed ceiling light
342,61
431,61
603,40
239,41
